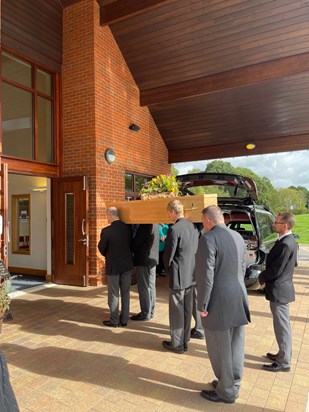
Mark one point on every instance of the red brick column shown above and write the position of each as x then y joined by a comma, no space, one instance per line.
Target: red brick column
100,101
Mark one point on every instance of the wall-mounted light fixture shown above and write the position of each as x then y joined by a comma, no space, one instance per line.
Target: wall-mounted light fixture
39,189
250,146
134,127
110,155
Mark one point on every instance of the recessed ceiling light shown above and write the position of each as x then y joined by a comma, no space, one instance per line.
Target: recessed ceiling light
250,146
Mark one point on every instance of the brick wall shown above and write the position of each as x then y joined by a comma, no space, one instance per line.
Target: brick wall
100,101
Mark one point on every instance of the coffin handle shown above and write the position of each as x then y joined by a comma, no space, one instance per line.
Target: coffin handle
193,207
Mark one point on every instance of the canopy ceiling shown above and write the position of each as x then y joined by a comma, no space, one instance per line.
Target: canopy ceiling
218,74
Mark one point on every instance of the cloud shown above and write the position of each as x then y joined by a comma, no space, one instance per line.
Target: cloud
283,169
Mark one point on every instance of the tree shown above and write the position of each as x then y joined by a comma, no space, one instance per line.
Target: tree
195,170
289,199
264,188
219,166
174,171
303,196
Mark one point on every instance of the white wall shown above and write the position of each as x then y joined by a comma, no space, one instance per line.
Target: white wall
40,249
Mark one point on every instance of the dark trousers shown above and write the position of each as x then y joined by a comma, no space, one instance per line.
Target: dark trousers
160,265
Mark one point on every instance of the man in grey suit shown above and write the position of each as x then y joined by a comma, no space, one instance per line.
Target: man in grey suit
279,290
179,261
115,245
222,302
146,258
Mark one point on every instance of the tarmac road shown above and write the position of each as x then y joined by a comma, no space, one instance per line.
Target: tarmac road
304,253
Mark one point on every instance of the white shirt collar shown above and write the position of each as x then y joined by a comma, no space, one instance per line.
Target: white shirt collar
287,233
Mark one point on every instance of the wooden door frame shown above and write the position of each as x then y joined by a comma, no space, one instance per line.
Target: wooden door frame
4,212
54,202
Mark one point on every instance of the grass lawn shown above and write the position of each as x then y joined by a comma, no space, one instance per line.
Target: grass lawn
302,228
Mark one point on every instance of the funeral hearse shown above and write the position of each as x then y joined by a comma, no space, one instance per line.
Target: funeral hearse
237,197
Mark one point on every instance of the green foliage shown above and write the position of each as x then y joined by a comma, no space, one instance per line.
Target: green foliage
174,171
219,166
199,190
195,170
294,198
264,187
161,184
289,199
301,228
5,300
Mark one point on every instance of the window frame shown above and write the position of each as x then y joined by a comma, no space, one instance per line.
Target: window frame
54,98
133,194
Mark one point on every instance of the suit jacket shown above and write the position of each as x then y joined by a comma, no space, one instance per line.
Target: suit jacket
220,271
115,245
179,256
278,275
8,401
146,246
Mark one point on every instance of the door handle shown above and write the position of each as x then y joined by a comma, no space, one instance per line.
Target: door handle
83,227
9,228
85,240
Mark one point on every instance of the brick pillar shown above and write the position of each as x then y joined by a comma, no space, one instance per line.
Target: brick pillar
100,101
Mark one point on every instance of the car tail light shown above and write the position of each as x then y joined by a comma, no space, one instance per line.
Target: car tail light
252,242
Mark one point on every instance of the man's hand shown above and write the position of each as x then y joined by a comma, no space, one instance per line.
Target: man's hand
203,314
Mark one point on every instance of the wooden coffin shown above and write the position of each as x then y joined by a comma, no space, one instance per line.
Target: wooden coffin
154,210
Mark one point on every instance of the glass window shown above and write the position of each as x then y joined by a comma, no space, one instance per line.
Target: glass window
17,126
27,110
133,184
45,153
69,228
129,182
16,70
43,82
140,180
21,224
266,229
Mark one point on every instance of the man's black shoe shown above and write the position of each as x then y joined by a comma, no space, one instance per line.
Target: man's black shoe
123,324
168,345
185,347
275,367
271,356
139,316
109,323
213,397
196,334
215,384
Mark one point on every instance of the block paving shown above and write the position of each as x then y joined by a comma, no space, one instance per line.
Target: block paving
61,358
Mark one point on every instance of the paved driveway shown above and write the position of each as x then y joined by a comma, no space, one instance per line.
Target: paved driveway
61,358
304,253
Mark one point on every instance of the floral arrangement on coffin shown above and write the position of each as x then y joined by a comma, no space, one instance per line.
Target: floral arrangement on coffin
160,186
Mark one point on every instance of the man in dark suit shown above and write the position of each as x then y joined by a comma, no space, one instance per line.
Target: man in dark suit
146,258
115,245
179,262
222,302
279,290
8,401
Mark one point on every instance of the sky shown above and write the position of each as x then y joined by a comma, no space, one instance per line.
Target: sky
283,169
